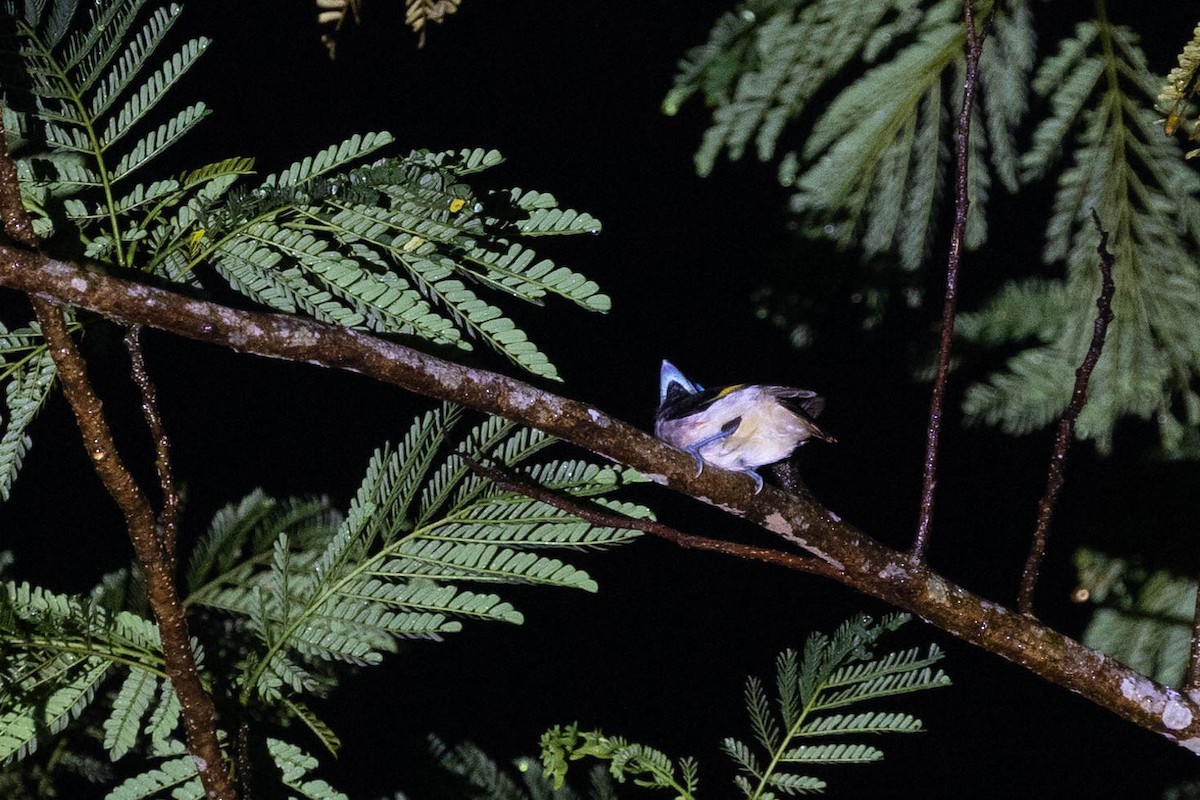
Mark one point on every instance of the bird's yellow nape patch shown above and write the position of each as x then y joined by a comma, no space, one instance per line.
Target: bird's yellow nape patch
728,390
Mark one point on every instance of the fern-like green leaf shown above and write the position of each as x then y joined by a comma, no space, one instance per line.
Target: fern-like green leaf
331,158
545,219
217,177
28,370
885,686
77,84
743,756
865,722
394,247
163,721
124,70
295,764
872,168
766,729
68,685
518,271
891,664
715,65
860,145
315,595
1004,77
158,140
477,561
646,766
1132,177
178,775
225,556
791,784
150,93
463,162
1067,80
834,671
142,195
129,707
1142,618
329,285
93,45
481,319
763,63
315,724
66,647
832,666
481,772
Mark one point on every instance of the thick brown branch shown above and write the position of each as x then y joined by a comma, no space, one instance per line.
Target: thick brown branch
857,560
197,708
962,204
199,714
1066,426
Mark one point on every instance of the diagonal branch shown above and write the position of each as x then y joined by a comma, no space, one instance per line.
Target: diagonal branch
199,713
1066,425
607,519
857,560
962,204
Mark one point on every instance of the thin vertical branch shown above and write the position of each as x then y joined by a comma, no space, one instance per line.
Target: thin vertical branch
168,515
1066,426
245,764
1193,673
962,204
198,711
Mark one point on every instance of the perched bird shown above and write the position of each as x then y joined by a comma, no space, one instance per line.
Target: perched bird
739,427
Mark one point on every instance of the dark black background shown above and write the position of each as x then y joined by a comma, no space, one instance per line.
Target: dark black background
570,93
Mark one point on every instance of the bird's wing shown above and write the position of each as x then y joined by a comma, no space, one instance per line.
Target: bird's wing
808,402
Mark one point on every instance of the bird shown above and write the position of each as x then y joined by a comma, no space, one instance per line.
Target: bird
741,427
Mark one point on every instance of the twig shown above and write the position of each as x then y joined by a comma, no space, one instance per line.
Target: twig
197,707
1193,672
687,541
245,764
169,514
1066,425
864,563
962,204
12,209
